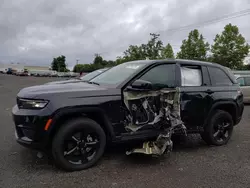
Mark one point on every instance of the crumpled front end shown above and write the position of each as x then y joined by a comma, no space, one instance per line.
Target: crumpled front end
154,110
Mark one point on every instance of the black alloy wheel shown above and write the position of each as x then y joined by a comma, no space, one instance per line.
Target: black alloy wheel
222,131
81,147
78,144
219,128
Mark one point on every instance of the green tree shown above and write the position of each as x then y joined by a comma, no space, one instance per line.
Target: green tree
152,50
167,52
98,63
119,60
78,68
134,52
58,64
194,47
244,67
154,47
230,47
98,59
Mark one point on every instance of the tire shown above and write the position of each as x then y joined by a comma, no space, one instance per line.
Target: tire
83,127
220,123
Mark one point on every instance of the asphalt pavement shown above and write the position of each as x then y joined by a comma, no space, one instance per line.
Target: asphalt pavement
191,164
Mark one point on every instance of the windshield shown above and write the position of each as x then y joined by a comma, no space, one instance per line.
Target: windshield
93,74
118,74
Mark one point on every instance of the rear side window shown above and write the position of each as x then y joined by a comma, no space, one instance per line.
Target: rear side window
161,75
218,77
191,76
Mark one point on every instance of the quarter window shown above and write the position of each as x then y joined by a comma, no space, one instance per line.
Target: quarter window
219,77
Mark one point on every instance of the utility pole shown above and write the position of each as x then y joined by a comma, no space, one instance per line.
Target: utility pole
77,61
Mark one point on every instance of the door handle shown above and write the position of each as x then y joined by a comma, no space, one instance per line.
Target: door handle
209,91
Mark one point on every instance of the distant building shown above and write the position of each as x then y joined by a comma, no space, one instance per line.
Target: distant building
36,68
20,67
14,67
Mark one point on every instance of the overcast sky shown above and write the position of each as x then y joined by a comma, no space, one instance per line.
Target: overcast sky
35,31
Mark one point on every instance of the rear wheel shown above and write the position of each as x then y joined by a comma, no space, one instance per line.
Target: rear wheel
78,145
219,129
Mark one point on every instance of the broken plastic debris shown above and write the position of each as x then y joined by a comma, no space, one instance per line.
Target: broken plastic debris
154,109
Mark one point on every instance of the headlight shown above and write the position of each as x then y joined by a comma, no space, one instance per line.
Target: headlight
31,103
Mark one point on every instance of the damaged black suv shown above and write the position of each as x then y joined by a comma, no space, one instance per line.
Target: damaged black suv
145,100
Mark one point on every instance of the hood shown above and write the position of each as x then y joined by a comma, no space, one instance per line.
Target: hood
64,81
69,89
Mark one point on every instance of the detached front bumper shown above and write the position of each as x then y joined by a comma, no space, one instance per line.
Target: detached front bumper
29,128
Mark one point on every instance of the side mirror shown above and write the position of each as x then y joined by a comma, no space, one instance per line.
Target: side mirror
140,85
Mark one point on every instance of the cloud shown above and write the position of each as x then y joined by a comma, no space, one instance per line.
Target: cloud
34,32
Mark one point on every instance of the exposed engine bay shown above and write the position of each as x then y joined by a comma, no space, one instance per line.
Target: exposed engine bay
154,110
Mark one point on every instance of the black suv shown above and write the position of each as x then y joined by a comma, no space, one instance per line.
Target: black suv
128,102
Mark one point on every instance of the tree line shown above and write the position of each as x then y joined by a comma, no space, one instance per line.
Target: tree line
229,49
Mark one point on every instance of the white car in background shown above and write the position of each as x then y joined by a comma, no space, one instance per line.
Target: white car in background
3,70
244,82
84,78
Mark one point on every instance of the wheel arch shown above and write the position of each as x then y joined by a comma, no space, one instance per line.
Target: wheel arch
94,113
227,106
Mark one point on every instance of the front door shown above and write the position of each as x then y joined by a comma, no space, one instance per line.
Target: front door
145,107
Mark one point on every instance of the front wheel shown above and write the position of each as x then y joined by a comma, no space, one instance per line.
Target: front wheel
219,129
78,145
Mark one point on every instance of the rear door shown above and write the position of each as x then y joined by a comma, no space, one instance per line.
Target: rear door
194,94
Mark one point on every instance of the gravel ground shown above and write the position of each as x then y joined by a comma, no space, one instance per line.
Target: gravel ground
192,164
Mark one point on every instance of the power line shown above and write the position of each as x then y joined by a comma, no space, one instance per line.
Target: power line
208,22
219,19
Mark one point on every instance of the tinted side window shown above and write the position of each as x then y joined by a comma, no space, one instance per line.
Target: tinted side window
162,75
247,81
219,77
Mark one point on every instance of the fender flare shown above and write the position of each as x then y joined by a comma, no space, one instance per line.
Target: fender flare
216,105
58,114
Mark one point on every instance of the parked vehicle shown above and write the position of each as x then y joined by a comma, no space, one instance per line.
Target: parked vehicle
9,71
86,77
139,100
39,73
241,72
53,73
22,73
244,82
3,70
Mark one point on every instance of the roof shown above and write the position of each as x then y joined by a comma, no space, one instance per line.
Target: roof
183,61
